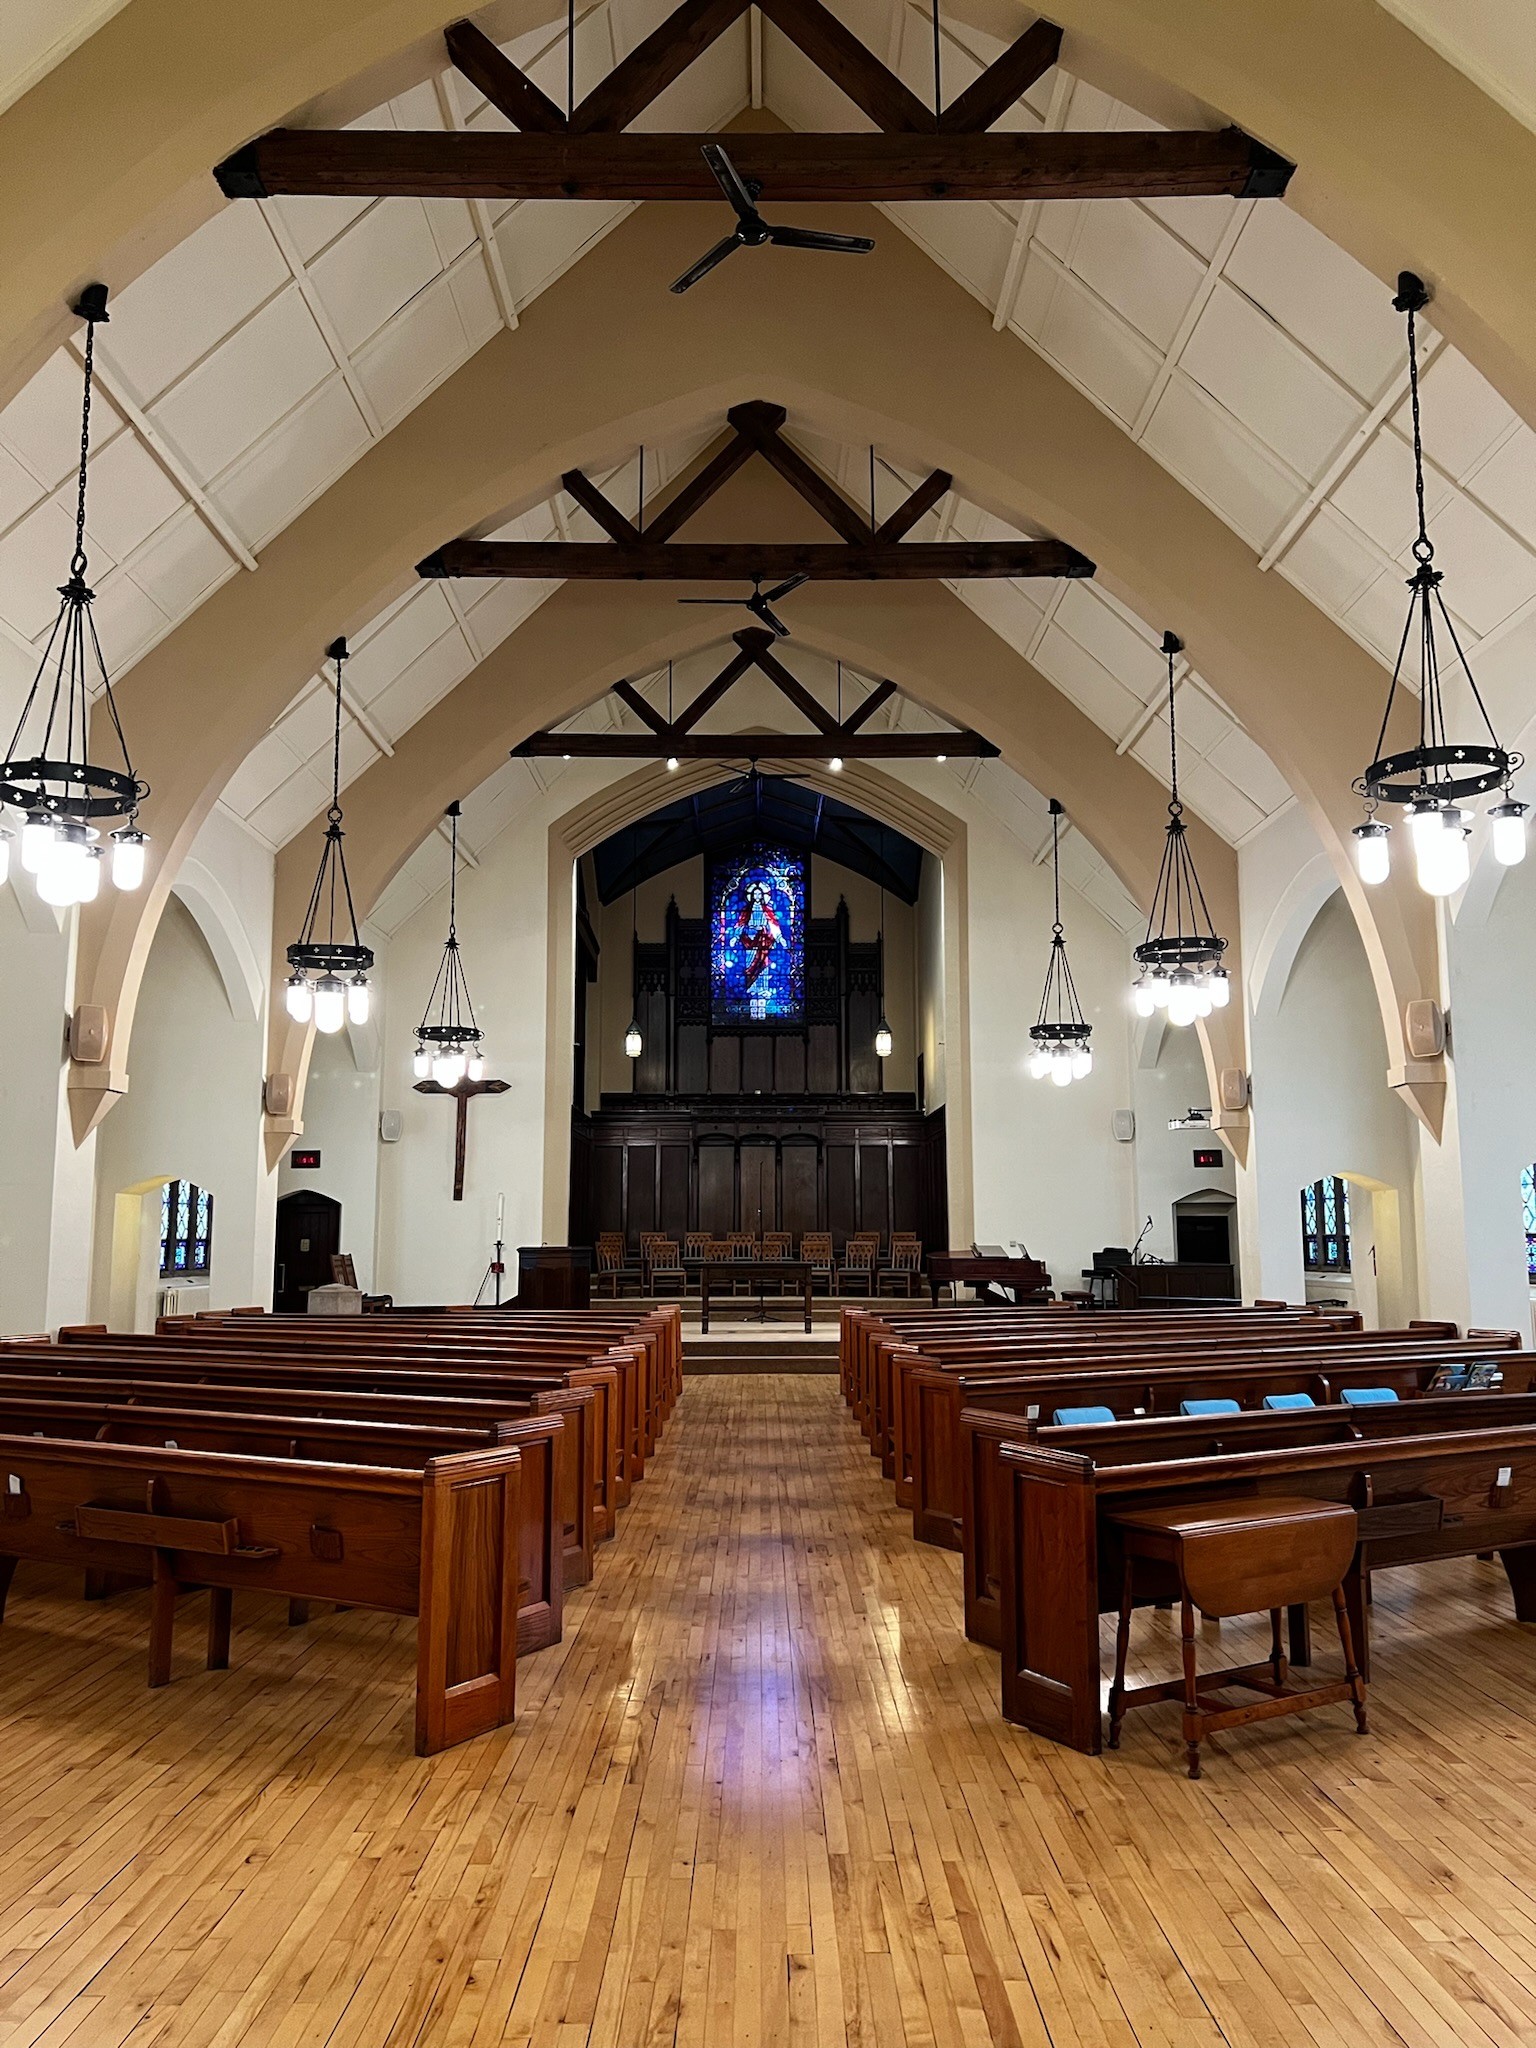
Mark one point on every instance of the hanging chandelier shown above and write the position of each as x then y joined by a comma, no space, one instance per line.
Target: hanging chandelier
634,1043
1431,780
448,1039
59,790
316,987
885,1043
1063,1036
1180,958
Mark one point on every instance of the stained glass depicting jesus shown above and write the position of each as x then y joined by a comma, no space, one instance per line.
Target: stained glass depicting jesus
757,938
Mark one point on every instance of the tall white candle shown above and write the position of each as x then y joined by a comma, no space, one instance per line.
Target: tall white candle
501,1210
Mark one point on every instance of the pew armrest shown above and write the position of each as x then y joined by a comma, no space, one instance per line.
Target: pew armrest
466,1648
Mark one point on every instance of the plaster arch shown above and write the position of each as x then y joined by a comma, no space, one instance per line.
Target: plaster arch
900,356
570,649
167,88
1292,918
220,924
886,798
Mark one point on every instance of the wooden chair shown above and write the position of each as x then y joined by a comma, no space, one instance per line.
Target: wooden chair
905,1267
664,1270
344,1274
742,1250
1235,1557
857,1265
614,1268
778,1245
696,1249
816,1252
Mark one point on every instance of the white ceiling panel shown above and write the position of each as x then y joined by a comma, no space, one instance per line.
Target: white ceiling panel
181,564
1137,266
428,678
292,465
1101,352
1203,445
1506,484
130,495
187,303
375,268
249,383
41,425
415,352
1333,306
1264,380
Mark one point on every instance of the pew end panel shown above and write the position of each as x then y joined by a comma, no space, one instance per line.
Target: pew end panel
1048,1597
466,1643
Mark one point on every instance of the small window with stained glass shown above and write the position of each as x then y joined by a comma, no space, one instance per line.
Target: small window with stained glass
1528,1203
1325,1226
186,1230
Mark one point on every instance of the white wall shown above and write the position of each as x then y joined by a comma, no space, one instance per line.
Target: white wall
341,1119
1168,1080
931,985
191,1112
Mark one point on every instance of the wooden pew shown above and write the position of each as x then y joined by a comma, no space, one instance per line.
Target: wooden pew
313,1371
440,1542
883,1351
299,1337
184,1425
1419,1498
438,1417
896,1365
1155,1439
1156,1384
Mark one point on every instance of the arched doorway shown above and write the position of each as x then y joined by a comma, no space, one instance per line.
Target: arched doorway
308,1233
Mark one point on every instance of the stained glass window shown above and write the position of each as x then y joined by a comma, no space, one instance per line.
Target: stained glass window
1325,1225
757,938
1528,1201
186,1230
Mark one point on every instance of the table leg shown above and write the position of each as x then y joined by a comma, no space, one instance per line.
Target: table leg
704,1304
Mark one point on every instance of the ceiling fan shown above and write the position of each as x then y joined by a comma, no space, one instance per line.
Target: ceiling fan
752,231
760,604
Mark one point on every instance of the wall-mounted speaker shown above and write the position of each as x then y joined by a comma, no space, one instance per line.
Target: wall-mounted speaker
1122,1124
278,1095
1234,1088
88,1035
391,1124
1424,1027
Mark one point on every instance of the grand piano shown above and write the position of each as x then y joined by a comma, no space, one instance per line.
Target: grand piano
992,1271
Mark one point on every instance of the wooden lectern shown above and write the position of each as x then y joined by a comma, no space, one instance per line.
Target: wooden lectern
554,1276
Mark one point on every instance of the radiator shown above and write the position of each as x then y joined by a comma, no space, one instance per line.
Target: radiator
182,1301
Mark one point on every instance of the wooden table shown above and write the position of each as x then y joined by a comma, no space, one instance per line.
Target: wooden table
784,1275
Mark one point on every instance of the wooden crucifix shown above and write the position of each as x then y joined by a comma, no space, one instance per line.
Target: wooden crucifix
461,1091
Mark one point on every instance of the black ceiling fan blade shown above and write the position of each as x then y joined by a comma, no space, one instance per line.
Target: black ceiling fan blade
783,589
814,238
713,600
730,181
774,623
708,261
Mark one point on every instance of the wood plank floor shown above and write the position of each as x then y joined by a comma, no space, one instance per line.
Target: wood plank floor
761,1794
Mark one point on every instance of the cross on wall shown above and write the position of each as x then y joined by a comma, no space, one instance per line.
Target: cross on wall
461,1092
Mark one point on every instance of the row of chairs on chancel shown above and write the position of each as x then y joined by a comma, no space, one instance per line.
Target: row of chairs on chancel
660,1265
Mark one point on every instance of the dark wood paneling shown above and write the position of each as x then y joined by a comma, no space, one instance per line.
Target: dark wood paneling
759,1205
676,1190
717,1187
789,1064
821,1076
725,1064
641,1177
756,1067
692,1059
863,1067
760,1164
842,1200
799,1207
875,1188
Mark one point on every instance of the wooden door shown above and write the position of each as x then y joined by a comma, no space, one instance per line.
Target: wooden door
308,1232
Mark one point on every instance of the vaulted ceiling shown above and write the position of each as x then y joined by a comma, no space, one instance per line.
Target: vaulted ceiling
1259,365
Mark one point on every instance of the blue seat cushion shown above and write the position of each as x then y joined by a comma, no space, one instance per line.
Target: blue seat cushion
1075,1415
1222,1407
1289,1401
1367,1397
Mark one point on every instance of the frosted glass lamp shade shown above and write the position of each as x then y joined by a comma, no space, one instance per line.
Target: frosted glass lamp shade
330,1004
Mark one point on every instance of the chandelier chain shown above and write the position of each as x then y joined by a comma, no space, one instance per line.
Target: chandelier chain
77,560
1423,546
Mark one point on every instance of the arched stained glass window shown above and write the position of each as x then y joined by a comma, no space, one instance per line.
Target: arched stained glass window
1528,1202
1325,1226
757,938
186,1230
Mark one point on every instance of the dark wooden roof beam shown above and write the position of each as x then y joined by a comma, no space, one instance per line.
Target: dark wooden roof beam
739,561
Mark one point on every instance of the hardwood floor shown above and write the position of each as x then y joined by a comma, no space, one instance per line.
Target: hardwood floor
761,1794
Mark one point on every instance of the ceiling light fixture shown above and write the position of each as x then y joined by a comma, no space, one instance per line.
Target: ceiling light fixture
60,791
1063,1037
316,988
1432,779
1180,958
634,1043
885,1044
449,1046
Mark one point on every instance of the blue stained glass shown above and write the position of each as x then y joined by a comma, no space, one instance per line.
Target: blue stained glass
1528,1203
757,938
165,1225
